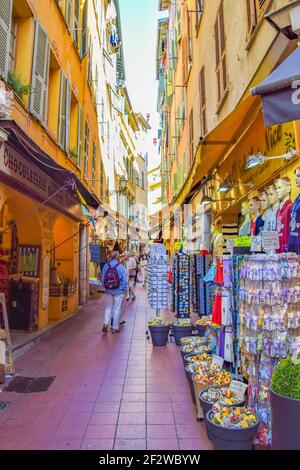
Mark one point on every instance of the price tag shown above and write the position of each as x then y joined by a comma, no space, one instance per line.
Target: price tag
218,361
242,241
270,241
238,388
256,244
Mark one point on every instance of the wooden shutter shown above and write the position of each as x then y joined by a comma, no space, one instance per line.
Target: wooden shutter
5,25
40,74
79,137
202,96
62,111
191,136
76,22
260,6
251,17
185,63
68,12
86,150
84,30
68,115
220,44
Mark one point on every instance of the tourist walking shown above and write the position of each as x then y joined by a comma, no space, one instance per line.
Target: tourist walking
143,264
131,267
114,280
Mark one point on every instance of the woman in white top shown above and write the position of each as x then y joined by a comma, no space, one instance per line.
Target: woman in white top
131,268
143,264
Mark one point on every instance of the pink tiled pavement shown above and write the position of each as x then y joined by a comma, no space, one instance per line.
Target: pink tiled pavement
110,392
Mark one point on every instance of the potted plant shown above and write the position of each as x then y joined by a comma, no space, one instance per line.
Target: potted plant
16,84
182,328
232,428
285,405
201,325
159,330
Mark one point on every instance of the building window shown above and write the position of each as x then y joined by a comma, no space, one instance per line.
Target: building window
202,97
221,54
84,30
191,136
199,11
86,151
68,13
255,10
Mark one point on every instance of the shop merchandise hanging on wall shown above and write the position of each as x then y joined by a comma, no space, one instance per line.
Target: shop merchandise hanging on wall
181,285
269,306
158,277
203,290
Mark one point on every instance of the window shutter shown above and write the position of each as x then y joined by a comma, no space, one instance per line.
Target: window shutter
251,17
220,44
5,25
76,22
68,13
68,114
62,111
40,74
202,95
260,6
79,137
84,30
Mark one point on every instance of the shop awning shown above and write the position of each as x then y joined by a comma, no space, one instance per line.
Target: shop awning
214,145
280,91
60,175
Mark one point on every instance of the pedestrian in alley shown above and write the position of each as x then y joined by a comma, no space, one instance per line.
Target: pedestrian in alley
131,267
143,264
114,279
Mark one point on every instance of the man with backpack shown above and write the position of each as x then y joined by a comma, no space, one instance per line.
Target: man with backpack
114,280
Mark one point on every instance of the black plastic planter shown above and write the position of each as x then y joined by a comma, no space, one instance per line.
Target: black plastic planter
181,332
207,406
201,330
231,439
285,415
189,376
159,335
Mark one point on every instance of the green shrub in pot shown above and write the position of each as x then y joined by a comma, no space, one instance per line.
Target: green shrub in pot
286,379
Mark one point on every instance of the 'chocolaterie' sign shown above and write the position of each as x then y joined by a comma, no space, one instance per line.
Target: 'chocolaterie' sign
14,165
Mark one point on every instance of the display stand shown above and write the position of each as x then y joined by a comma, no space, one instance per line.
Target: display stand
10,362
181,285
158,278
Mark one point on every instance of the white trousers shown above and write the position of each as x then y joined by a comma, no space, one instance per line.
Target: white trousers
114,311
144,275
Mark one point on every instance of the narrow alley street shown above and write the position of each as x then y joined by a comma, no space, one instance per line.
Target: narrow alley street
110,392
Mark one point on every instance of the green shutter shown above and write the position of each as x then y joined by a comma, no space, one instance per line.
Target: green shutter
79,137
5,25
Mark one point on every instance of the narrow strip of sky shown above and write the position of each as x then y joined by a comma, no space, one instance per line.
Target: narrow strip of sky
139,30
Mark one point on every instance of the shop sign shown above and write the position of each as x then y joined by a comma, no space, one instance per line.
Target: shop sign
242,241
238,388
270,241
218,361
95,253
177,246
14,165
256,244
46,282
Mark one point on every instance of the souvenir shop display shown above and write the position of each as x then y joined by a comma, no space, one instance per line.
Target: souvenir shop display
195,340
284,189
200,349
224,396
158,277
202,291
199,358
181,285
269,329
181,328
294,236
245,228
232,428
